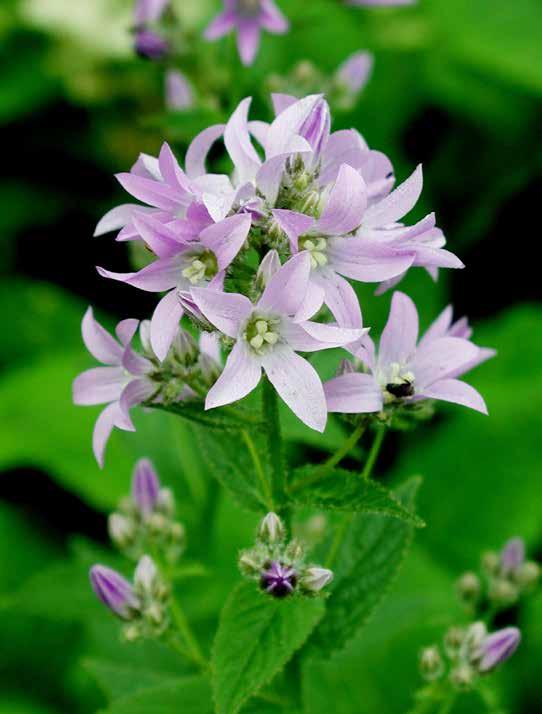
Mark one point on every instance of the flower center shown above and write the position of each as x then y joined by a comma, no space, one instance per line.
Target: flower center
248,8
262,333
399,383
201,267
317,249
278,580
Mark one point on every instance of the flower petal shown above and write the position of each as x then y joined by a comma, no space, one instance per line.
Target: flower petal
272,19
199,148
340,297
98,341
287,124
452,390
165,324
286,289
227,238
298,384
294,224
354,393
399,202
398,340
116,218
366,260
159,238
248,39
136,392
125,330
99,385
238,143
240,376
163,274
282,102
226,311
110,417
154,193
220,25
441,359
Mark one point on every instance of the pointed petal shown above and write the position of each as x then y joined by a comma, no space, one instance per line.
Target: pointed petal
226,311
110,417
398,340
397,204
98,341
163,274
240,376
298,384
340,297
286,290
353,394
248,40
134,363
441,359
171,171
282,102
154,193
239,145
225,239
438,328
343,147
366,260
116,218
125,330
294,224
165,324
333,334
271,18
287,124
99,385
199,148
136,392
314,299
452,390
159,238
220,25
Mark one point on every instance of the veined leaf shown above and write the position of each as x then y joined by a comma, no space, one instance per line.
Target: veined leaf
225,418
369,560
342,490
256,637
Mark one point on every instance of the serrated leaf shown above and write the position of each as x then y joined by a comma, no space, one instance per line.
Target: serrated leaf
229,461
342,490
370,558
256,637
224,418
189,695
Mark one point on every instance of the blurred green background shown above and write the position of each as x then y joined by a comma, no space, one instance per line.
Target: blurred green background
457,85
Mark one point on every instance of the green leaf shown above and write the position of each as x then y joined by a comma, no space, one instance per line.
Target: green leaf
119,680
342,490
224,418
256,637
229,461
187,695
368,562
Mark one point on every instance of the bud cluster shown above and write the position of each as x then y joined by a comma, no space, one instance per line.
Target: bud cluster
468,653
278,565
504,578
145,519
142,604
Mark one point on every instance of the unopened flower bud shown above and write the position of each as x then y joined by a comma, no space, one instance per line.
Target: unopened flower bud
185,348
155,614
157,523
268,267
145,487
315,128
114,591
314,579
121,529
497,648
354,72
146,574
503,592
512,556
150,45
145,337
271,529
462,676
305,71
131,632
469,587
474,637
178,91
345,367
431,664
248,564
294,551
165,502
176,532
528,574
453,640
490,562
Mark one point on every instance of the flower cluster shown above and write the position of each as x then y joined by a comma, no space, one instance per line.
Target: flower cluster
144,521
468,653
143,604
278,565
504,578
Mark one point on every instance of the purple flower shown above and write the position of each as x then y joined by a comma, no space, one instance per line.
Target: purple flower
114,591
122,383
267,336
354,72
149,43
145,486
179,93
405,373
278,580
512,556
497,648
248,17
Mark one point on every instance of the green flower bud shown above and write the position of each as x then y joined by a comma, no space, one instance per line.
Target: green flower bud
503,592
491,562
453,640
462,677
528,575
431,663
469,587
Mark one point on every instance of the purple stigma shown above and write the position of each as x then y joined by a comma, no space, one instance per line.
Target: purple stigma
278,580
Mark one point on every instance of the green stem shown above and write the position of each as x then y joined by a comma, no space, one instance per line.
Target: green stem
267,494
322,472
270,413
373,453
192,646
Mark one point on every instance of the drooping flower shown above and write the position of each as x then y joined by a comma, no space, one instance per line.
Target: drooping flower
179,94
148,42
403,372
114,591
248,18
267,337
